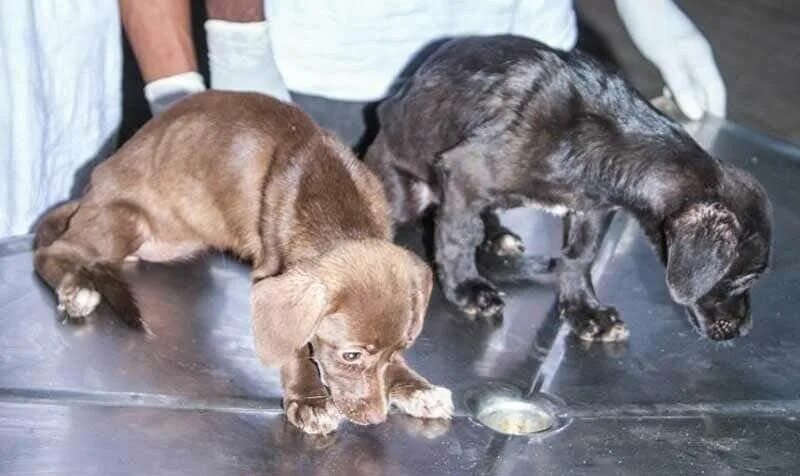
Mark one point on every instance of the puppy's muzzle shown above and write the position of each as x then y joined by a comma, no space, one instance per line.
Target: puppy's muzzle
725,321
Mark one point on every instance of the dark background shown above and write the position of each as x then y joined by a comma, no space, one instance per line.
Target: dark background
756,44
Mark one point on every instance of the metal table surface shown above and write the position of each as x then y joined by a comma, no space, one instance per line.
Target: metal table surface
100,399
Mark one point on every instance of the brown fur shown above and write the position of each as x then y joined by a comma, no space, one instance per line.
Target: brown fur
252,175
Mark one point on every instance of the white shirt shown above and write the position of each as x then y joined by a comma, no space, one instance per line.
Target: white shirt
354,50
60,101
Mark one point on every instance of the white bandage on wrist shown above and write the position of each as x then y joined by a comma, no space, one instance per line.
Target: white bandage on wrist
163,92
240,58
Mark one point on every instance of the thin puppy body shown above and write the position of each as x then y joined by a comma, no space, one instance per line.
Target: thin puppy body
489,123
332,300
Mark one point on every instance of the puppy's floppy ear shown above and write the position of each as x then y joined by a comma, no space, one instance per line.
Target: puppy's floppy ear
702,245
421,287
286,311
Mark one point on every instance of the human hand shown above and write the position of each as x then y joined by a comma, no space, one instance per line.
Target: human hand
669,39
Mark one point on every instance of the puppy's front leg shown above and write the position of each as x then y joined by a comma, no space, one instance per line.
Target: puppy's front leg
577,303
306,401
414,395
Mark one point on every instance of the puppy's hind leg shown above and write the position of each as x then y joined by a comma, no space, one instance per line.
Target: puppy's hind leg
460,230
502,258
82,264
577,303
458,234
499,240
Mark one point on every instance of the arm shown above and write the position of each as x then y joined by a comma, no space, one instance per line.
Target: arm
160,35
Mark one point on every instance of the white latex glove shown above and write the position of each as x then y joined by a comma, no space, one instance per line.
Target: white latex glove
164,92
666,37
240,58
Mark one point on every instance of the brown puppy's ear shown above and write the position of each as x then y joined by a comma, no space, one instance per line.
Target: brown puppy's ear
702,246
286,311
421,287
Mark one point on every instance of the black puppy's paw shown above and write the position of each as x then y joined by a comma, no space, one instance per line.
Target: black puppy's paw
478,298
504,245
594,323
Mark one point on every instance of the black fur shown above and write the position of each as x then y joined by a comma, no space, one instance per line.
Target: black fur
504,121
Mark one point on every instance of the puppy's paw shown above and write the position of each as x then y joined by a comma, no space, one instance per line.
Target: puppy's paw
431,402
77,302
504,245
478,298
595,324
430,428
316,417
618,332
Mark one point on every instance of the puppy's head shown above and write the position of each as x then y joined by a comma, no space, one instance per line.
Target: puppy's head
716,252
357,306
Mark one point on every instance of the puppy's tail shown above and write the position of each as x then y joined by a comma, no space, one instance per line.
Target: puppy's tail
108,281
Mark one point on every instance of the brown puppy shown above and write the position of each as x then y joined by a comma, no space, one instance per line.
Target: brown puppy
333,301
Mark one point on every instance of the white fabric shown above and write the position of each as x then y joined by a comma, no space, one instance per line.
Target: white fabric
164,92
240,58
666,36
349,50
60,100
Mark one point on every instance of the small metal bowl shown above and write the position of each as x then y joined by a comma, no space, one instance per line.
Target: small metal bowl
504,409
515,417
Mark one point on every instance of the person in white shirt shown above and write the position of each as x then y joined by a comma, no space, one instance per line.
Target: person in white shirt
331,49
334,56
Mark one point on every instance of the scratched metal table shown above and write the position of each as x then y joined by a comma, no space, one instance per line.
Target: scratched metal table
100,399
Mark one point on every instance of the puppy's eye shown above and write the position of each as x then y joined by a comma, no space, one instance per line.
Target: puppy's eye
351,356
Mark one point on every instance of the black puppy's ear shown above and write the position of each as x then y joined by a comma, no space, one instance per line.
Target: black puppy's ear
421,287
702,246
286,311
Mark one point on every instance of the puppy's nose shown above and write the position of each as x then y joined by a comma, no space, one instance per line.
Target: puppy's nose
723,329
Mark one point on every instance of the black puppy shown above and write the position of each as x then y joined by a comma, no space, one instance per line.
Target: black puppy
504,121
